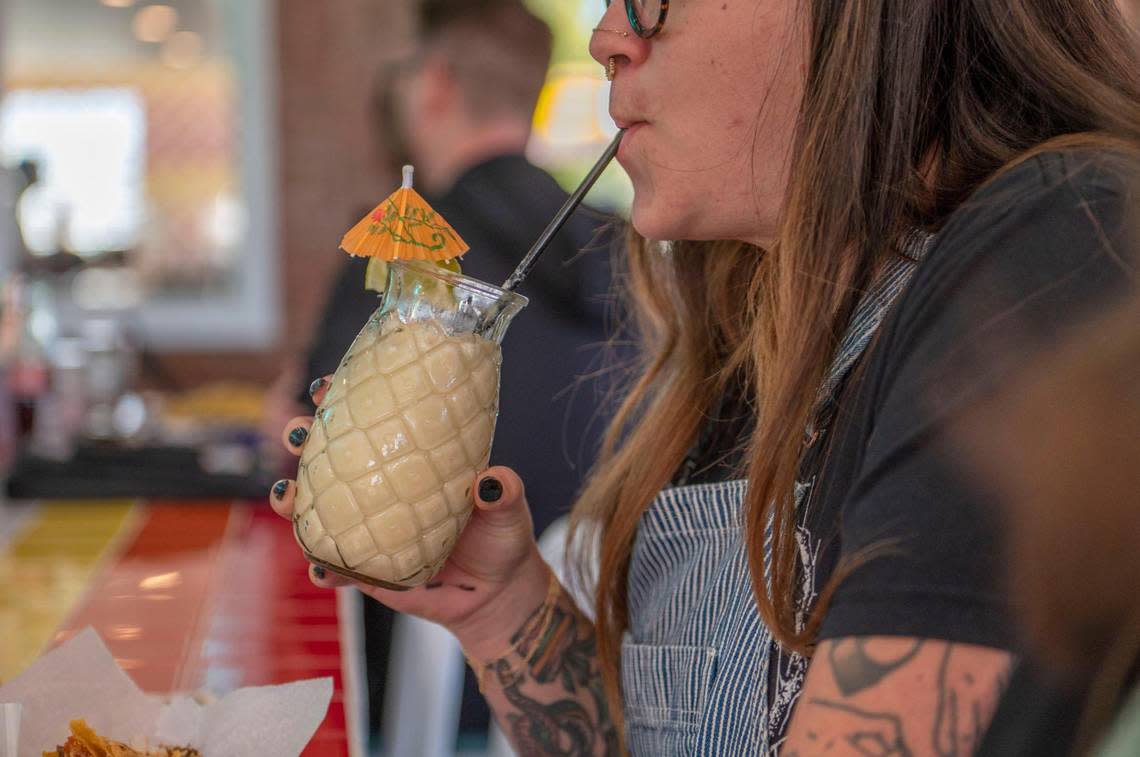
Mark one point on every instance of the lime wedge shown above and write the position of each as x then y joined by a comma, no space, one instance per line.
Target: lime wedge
376,275
450,265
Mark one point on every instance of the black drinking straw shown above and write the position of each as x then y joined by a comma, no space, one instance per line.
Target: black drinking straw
560,218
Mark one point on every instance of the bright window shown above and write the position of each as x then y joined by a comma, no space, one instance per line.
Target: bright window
88,146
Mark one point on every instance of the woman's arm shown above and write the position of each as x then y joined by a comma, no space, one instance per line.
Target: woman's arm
546,692
879,696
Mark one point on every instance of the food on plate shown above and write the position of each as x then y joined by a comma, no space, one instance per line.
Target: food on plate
84,742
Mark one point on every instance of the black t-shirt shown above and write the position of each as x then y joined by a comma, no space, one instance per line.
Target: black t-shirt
1035,253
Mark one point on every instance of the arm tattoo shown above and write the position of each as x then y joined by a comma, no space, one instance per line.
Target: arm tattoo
856,669
961,700
963,713
557,705
873,734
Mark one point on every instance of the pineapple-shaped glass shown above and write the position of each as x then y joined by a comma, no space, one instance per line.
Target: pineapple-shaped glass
383,488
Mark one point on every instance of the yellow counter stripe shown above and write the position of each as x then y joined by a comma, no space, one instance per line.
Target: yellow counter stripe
45,569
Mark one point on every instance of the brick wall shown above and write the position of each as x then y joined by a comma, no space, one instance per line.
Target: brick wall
329,161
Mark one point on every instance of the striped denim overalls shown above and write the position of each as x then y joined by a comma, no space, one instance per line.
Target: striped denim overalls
701,674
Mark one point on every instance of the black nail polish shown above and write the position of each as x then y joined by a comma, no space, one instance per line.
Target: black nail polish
280,488
298,436
319,572
431,586
316,386
490,489
465,587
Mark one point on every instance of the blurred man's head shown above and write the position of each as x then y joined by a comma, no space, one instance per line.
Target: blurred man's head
497,53
469,90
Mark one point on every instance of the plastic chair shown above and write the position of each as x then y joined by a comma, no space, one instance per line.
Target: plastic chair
424,690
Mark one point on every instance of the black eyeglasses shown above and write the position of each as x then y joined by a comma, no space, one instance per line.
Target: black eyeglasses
645,16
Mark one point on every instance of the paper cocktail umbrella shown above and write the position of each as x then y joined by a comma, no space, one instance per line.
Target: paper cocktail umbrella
404,227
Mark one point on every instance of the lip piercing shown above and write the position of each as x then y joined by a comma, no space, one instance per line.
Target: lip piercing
611,69
612,31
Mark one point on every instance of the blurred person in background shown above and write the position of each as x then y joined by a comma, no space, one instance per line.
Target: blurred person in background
1062,447
14,183
818,573
460,108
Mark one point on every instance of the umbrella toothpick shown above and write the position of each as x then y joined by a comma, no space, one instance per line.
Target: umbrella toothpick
404,227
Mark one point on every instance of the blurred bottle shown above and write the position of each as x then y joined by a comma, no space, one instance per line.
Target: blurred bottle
28,374
11,330
51,424
63,409
110,370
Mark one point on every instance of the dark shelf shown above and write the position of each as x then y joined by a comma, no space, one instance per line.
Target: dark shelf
108,471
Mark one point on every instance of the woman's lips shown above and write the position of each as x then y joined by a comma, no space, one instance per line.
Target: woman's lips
630,130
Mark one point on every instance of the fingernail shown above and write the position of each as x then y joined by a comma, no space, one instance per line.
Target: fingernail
280,488
319,572
490,489
316,386
298,436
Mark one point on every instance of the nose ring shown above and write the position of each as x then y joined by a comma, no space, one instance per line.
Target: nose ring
611,69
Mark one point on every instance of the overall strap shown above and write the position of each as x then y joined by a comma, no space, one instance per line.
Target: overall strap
868,316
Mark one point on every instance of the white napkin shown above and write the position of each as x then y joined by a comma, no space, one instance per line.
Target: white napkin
81,680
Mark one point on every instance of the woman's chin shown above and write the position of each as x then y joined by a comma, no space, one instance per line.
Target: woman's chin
659,224
679,221
653,224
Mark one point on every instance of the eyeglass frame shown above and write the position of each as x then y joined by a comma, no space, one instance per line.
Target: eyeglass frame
635,22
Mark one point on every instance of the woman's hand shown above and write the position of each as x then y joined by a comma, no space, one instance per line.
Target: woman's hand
494,577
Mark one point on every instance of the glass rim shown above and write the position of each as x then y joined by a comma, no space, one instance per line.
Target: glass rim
477,286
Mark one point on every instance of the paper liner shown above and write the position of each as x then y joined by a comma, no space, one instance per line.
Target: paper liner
80,679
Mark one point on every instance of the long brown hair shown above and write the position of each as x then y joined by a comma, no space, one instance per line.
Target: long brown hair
909,107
